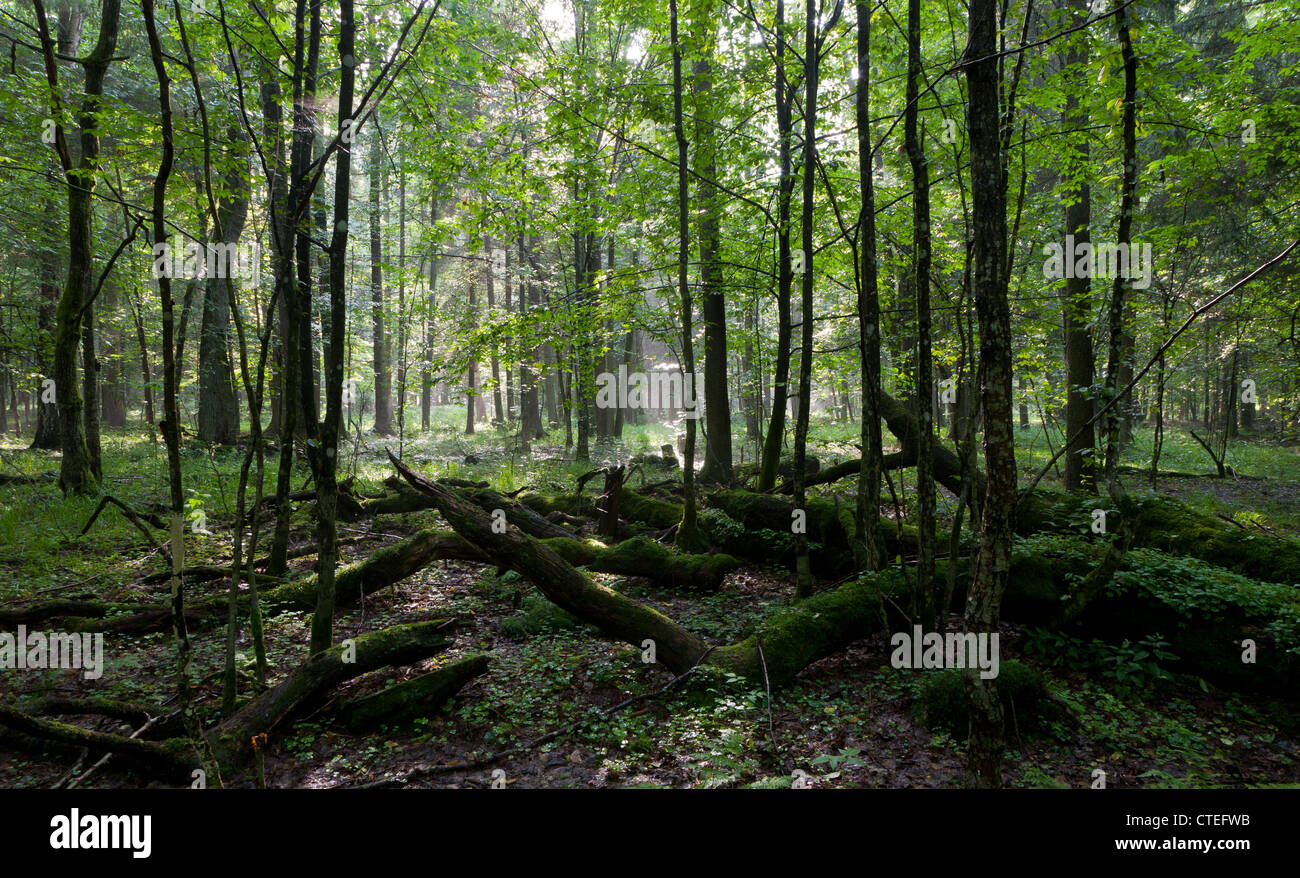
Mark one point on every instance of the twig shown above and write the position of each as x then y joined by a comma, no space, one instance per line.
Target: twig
771,726
108,756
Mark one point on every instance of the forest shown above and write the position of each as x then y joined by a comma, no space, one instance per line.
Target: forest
620,394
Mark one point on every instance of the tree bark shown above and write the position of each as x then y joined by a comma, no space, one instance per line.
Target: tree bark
993,563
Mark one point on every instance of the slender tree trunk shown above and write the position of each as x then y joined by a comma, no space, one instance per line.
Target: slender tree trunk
426,374
171,410
993,561
497,408
688,536
785,275
90,390
322,623
471,374
47,412
868,494
383,370
717,408
1080,460
803,562
1120,339
923,595
530,412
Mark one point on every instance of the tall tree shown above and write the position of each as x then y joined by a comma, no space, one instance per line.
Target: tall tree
868,495
989,283
379,337
77,467
1076,304
775,438
717,403
322,623
923,594
688,534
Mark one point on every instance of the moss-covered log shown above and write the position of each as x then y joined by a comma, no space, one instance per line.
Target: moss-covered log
414,698
786,643
1170,526
791,639
405,499
1202,610
641,556
904,425
58,609
232,739
173,758
632,506
562,583
767,536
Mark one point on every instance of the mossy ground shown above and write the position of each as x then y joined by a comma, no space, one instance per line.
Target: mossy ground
847,720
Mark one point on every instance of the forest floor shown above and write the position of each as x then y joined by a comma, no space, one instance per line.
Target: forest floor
849,720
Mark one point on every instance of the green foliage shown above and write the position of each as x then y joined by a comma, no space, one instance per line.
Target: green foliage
539,616
1128,663
1021,688
719,527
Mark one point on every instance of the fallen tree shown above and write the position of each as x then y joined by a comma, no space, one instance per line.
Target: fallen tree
232,739
414,698
787,643
1207,628
906,428
385,567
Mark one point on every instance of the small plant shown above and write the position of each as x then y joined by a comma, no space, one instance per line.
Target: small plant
846,758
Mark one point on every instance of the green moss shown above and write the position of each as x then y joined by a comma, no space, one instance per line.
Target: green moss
539,616
656,513
720,527
793,638
415,698
1170,526
642,556
943,698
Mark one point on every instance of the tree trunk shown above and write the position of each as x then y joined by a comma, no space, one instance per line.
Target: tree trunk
775,439
383,370
76,472
923,593
322,623
1121,343
218,406
717,408
803,564
1076,306
993,563
688,535
868,493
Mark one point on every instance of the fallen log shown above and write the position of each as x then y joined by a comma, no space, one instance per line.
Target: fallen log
1170,526
905,426
172,758
633,506
232,739
404,499
417,697
785,643
565,586
640,556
